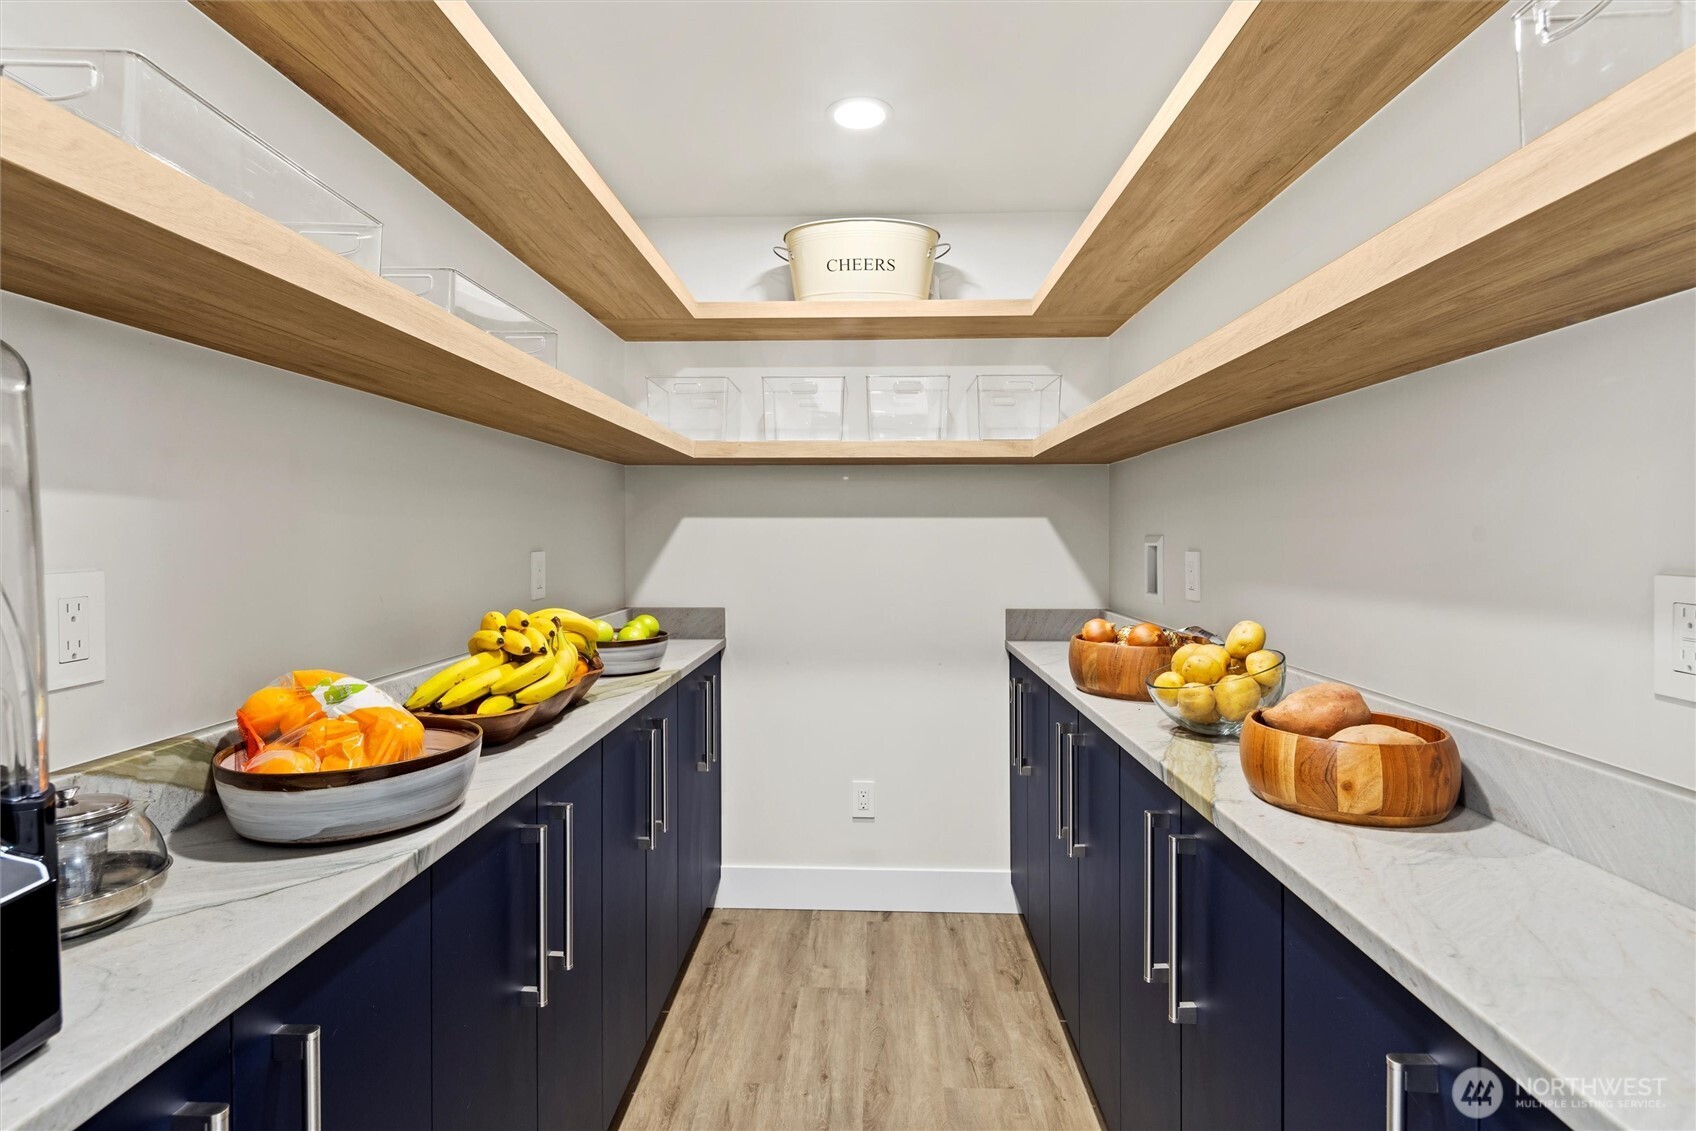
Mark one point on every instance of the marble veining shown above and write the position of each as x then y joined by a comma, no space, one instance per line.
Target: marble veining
237,915
1551,966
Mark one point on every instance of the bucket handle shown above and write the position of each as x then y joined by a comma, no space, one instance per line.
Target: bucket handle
781,252
940,250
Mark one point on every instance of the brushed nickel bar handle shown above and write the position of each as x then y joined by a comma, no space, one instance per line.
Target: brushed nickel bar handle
1074,848
1178,1011
537,995
201,1117
665,774
1405,1072
1059,821
1152,971
704,764
566,810
305,1044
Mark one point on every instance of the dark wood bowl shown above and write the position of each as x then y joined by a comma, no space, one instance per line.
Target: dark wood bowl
1356,783
1116,671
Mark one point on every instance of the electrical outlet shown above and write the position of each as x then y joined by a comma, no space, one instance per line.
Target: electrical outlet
1192,575
538,574
76,629
863,801
1675,637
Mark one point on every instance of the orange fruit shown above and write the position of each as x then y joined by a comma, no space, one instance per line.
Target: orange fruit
391,735
283,760
267,708
309,678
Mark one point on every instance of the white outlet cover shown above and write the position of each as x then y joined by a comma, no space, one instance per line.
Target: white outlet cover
538,574
869,812
91,587
1670,592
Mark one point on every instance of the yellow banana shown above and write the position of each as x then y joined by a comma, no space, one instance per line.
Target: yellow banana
525,675
437,685
577,641
538,639
518,619
492,621
565,666
569,621
495,704
484,640
466,690
516,643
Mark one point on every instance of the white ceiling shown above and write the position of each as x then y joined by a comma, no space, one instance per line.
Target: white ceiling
720,109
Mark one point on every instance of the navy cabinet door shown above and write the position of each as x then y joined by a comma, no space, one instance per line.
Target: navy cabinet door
712,864
1518,1110
1095,836
568,1052
1020,691
663,943
1149,1071
626,808
367,992
200,1074
690,827
1039,817
483,953
1342,1016
1062,869
1229,963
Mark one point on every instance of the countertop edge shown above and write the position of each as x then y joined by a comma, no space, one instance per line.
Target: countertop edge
69,1101
1512,1052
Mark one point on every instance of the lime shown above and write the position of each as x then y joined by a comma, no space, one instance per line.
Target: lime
635,630
652,625
604,631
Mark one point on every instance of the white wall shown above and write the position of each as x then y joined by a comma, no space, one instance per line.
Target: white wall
865,612
1479,538
250,520
993,254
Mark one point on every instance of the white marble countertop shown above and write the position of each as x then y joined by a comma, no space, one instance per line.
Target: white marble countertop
1550,966
236,915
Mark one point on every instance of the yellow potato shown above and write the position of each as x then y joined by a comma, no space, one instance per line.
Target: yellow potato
1236,696
1245,636
1183,653
1263,666
1196,705
1205,665
1168,679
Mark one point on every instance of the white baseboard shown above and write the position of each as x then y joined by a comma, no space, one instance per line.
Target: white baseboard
867,889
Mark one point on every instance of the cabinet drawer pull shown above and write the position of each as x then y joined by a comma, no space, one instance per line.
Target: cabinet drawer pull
1074,847
567,959
1405,1072
1152,971
704,763
537,995
665,774
713,722
650,839
1178,1011
1059,773
201,1117
1015,707
304,1043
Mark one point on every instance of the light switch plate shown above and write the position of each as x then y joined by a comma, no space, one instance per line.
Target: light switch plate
76,629
538,574
1675,637
1192,575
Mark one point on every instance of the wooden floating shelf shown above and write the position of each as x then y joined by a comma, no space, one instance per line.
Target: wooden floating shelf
1275,88
94,224
864,451
1596,215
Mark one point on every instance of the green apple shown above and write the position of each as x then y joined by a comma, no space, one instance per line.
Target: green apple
635,630
652,625
604,631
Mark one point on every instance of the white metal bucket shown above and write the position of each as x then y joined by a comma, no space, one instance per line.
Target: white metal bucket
861,259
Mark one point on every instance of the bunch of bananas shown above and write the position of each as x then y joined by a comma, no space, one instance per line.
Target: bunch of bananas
517,659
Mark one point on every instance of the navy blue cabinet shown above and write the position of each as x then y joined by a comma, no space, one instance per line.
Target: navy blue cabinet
712,848
664,948
199,1075
568,1052
627,817
359,1007
1062,869
1038,778
1149,1044
1018,693
1228,963
485,971
699,799
1519,1110
1093,809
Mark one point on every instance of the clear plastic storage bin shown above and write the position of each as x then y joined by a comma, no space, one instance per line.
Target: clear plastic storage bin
1574,53
701,408
1019,407
126,94
907,408
482,308
803,408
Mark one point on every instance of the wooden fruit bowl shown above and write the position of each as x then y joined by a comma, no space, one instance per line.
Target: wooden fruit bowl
1116,671
507,725
1357,783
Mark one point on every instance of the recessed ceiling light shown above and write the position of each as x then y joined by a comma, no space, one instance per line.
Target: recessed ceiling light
859,113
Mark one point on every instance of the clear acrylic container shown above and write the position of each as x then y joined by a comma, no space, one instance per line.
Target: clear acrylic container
701,408
1016,407
127,95
803,408
1574,53
479,306
907,408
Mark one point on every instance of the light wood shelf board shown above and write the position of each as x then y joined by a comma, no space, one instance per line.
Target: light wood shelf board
864,451
426,83
1597,215
96,225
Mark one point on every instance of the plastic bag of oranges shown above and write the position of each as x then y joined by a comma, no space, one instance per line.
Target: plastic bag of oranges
313,720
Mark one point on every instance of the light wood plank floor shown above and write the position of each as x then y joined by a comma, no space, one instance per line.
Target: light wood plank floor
883,1021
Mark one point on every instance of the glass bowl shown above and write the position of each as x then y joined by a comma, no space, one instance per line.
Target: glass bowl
1197,706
